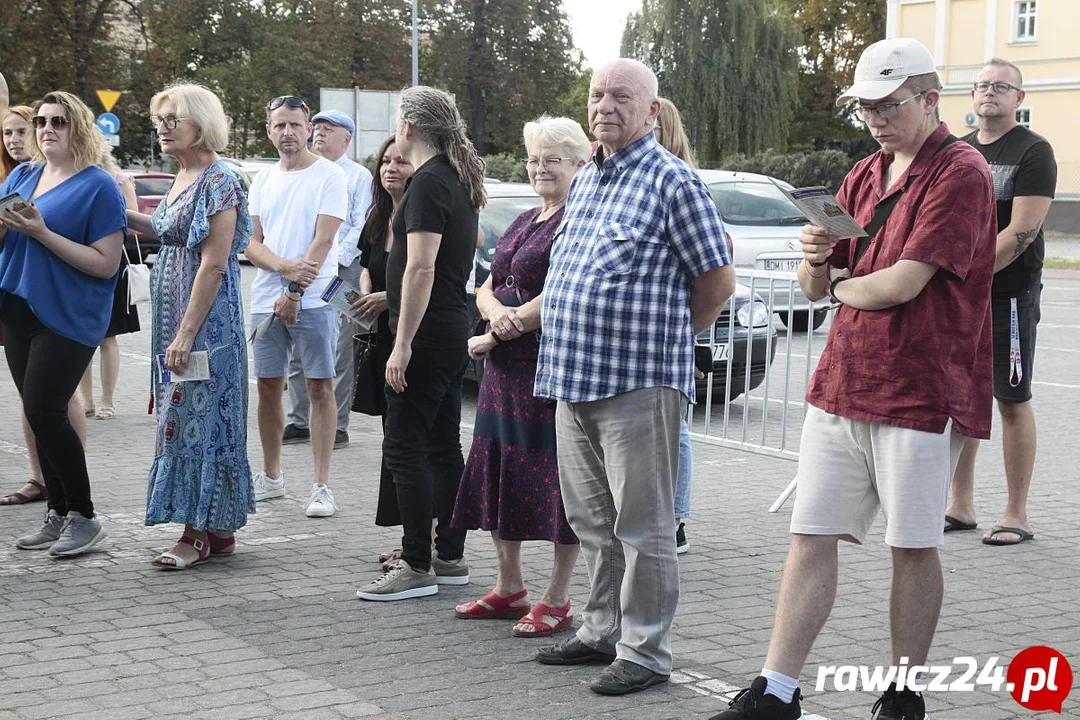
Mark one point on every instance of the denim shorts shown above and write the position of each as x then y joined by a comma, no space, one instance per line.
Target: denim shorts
314,337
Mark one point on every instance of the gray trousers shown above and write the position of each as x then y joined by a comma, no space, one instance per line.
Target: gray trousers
299,404
618,462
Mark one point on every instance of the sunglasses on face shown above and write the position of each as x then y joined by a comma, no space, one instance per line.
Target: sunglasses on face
291,101
57,121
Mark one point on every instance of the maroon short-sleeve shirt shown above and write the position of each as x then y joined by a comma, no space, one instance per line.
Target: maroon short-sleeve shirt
918,364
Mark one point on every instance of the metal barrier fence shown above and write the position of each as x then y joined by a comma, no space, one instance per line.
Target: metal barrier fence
764,348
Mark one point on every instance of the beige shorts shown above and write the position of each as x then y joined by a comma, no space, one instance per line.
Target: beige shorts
847,468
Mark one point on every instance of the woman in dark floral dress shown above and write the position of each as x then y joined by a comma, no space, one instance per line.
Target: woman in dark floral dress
511,480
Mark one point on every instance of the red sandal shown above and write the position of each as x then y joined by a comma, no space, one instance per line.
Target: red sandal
492,606
535,619
179,563
21,498
221,545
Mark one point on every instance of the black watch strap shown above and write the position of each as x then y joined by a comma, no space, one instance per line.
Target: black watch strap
294,287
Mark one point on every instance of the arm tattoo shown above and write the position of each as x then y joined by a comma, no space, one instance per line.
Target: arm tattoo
1023,239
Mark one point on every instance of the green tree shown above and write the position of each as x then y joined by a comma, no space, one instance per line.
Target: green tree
833,34
729,65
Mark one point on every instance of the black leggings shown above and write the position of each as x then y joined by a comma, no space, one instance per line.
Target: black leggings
47,368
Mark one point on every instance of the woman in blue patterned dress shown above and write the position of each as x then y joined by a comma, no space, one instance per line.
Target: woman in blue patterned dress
200,475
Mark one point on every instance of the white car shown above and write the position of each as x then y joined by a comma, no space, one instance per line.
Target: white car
764,226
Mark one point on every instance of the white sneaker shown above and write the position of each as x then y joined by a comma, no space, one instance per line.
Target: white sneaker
321,502
267,488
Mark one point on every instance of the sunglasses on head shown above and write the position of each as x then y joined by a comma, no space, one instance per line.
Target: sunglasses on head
57,121
291,101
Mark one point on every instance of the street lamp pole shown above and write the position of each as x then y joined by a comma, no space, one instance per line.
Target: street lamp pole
415,48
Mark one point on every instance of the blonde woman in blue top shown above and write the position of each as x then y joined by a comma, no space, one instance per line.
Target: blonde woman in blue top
57,273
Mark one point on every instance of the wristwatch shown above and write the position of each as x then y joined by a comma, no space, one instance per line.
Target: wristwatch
294,287
832,287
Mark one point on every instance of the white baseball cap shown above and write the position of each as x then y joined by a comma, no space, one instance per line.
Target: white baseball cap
885,65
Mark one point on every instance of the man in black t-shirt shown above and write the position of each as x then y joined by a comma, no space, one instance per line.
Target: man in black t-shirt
1025,174
435,229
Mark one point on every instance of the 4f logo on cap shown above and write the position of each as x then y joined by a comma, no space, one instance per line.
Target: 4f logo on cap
887,72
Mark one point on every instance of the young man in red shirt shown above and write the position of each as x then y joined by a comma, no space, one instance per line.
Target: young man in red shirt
905,375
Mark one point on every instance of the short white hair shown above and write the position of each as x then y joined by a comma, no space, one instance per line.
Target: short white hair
202,107
4,88
560,132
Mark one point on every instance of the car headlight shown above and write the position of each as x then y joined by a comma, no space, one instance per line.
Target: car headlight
753,314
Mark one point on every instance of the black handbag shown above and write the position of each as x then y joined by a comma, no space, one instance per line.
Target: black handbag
369,397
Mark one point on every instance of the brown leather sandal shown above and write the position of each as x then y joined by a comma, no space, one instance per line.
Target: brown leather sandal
21,498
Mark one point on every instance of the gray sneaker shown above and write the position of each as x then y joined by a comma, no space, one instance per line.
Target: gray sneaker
450,572
400,582
46,536
78,535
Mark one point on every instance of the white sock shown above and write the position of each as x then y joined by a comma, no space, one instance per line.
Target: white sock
780,686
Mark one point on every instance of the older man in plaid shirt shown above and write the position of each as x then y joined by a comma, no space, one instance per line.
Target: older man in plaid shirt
638,266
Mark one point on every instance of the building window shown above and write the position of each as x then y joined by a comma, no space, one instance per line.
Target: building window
1023,117
1025,20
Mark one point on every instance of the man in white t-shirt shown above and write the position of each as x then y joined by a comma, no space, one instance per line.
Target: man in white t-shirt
296,208
333,134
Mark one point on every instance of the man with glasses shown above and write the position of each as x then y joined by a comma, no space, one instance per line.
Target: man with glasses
905,375
333,133
1025,174
296,208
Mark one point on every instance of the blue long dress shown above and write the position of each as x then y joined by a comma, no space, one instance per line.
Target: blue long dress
201,474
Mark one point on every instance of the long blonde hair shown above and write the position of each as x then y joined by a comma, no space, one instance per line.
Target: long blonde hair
672,133
435,118
8,163
85,140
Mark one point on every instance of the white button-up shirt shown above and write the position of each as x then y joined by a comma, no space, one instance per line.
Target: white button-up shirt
346,242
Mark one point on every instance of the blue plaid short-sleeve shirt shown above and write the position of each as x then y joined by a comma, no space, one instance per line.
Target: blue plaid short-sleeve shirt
638,228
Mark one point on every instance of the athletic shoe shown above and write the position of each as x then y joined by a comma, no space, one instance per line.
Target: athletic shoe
294,435
623,677
321,502
682,545
753,704
893,705
400,582
267,488
450,572
43,538
79,534
341,439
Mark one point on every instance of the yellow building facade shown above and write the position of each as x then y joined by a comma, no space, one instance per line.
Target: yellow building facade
1040,36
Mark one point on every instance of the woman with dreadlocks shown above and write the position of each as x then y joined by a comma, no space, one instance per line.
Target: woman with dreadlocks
434,228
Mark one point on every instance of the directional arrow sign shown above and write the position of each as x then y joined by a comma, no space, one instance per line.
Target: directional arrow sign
108,98
108,123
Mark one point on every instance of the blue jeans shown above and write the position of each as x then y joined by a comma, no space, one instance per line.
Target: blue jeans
685,480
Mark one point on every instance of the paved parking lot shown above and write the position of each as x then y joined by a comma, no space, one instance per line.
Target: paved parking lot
276,632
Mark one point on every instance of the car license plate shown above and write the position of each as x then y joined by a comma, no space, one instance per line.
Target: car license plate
719,352
791,265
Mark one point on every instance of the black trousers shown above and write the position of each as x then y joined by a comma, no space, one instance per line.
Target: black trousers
46,369
422,449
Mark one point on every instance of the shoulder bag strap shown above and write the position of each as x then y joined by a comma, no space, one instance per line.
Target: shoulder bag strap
885,208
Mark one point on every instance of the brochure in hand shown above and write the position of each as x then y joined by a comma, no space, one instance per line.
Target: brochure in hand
822,209
341,294
198,368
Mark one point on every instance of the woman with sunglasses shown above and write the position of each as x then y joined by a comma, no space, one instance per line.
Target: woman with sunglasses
200,476
58,265
16,125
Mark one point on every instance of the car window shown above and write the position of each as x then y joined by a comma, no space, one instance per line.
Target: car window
152,186
754,203
497,215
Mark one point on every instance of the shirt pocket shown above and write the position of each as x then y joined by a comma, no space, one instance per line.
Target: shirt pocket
620,247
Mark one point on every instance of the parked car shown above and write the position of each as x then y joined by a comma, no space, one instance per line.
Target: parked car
247,169
508,200
764,225
150,189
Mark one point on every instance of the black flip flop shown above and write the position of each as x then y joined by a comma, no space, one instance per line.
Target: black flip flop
1024,535
953,525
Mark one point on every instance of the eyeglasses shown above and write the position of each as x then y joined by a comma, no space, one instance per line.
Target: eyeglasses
169,121
885,110
288,101
57,121
999,87
552,162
